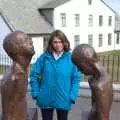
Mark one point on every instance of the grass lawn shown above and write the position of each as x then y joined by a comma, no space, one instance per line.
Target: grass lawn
113,52
2,69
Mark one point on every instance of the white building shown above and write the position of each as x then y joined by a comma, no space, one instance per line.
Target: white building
87,21
83,21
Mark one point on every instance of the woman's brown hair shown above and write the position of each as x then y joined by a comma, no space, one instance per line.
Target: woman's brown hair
59,34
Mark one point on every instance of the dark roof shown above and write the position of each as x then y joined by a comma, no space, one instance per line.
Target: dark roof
24,15
6,21
54,4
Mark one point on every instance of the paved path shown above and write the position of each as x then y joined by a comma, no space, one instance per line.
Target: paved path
84,104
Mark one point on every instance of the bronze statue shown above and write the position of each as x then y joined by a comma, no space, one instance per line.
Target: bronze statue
85,57
14,84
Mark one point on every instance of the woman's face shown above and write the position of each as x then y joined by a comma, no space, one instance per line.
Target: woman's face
57,45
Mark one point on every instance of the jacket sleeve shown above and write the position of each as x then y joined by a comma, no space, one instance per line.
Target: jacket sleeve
75,84
35,77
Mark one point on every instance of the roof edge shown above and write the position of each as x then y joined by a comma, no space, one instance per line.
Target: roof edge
108,6
6,20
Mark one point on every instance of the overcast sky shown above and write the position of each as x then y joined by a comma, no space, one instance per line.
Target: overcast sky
114,4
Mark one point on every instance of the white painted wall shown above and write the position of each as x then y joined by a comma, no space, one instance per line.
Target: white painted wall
81,7
38,46
4,30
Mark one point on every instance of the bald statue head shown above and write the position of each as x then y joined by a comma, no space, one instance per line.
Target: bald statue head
85,57
18,44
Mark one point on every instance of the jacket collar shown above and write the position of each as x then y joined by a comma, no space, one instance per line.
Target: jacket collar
50,55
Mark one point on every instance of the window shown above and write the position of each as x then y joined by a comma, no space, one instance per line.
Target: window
100,20
109,38
45,42
63,19
110,20
90,19
100,42
118,38
89,2
90,39
77,20
76,40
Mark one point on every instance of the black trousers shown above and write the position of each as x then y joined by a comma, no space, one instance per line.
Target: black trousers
47,114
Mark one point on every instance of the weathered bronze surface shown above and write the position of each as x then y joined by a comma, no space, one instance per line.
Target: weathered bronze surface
14,84
85,57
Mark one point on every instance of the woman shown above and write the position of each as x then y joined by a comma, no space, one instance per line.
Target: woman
55,79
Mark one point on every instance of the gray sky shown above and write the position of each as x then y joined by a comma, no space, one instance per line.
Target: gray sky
115,4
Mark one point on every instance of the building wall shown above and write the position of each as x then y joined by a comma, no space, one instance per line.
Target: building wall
81,7
4,30
38,47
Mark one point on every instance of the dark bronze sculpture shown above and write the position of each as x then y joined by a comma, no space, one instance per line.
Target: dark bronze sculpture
14,84
85,57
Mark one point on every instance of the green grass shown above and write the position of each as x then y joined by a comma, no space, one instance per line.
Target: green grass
113,52
2,69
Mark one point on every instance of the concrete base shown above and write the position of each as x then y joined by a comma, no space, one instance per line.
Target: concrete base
32,114
84,115
86,92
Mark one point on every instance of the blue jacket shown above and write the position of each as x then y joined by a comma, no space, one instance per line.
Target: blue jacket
55,84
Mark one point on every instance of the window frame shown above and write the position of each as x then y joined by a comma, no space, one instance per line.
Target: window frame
90,20
100,20
118,38
100,40
109,20
90,39
63,19
109,39
77,19
89,2
76,40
